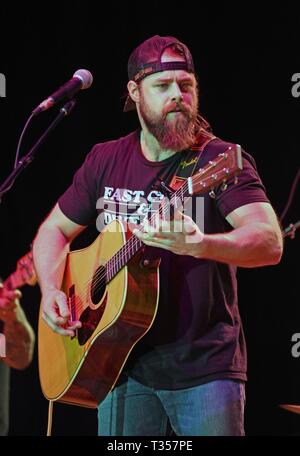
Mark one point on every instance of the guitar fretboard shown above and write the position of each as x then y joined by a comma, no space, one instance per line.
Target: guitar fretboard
15,280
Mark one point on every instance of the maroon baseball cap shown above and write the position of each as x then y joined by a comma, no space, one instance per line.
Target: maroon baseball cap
146,60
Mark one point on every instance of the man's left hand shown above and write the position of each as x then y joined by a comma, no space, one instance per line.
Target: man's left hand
181,236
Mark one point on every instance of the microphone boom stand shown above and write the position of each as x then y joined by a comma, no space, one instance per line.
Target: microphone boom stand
28,158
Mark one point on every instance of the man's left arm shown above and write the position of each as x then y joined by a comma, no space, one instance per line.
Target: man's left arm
255,240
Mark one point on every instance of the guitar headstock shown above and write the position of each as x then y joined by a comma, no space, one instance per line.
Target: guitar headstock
25,270
216,172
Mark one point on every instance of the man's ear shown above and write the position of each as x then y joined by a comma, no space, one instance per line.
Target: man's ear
133,90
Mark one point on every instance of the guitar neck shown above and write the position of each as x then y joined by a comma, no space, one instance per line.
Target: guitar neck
13,281
225,165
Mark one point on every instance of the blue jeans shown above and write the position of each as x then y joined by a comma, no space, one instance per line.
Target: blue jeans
214,408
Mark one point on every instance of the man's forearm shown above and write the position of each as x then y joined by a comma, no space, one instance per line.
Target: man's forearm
50,249
249,246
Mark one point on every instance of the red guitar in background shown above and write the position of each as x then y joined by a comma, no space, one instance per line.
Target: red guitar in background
24,273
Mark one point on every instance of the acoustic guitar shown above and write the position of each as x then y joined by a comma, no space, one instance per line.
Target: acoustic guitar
114,292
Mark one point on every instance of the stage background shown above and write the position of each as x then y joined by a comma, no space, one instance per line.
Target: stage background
245,57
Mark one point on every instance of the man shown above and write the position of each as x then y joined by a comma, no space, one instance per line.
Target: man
188,372
17,344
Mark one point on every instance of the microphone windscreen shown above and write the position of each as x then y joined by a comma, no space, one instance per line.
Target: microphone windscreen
85,76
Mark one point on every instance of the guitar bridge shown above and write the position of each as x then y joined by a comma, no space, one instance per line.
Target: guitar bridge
72,307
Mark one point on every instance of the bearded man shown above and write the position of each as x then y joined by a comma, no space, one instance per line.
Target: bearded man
187,374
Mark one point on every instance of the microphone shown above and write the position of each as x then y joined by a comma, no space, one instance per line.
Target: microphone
82,79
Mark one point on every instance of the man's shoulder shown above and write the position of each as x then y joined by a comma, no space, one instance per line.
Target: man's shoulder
118,145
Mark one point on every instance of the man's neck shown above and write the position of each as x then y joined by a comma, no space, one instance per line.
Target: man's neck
152,149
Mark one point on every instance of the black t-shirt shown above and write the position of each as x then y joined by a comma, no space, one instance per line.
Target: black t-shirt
197,334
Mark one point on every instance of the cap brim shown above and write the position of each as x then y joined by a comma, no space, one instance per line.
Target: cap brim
129,104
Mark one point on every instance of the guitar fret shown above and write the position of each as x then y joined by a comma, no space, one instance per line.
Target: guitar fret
119,260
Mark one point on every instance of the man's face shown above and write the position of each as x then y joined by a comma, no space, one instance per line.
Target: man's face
169,107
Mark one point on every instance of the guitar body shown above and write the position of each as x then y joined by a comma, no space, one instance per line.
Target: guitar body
83,369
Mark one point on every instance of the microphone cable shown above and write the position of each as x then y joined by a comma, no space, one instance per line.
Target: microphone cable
291,196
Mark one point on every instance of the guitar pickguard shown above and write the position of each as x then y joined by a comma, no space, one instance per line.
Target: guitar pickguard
90,319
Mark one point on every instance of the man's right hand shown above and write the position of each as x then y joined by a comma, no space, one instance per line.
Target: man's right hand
56,313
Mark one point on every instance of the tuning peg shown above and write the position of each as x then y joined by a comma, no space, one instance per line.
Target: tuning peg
212,193
224,186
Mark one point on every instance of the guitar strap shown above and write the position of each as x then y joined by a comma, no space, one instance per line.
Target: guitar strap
189,160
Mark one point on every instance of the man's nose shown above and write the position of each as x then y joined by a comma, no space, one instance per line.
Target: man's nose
176,94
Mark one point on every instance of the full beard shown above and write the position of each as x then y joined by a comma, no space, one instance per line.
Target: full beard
177,133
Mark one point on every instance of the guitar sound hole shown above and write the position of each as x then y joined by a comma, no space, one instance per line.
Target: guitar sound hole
98,285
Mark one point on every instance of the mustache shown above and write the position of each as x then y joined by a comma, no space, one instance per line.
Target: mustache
176,106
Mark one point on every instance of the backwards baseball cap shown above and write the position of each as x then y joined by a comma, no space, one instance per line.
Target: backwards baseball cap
146,60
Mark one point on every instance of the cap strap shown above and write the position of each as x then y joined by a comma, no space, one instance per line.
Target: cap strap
155,67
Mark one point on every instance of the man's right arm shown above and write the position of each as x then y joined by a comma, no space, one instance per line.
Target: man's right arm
50,249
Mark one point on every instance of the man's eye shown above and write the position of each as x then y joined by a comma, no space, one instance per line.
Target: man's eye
163,85
186,85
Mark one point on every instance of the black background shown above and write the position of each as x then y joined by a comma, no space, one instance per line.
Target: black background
245,57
